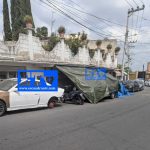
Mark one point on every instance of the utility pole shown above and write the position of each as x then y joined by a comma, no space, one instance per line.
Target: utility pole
52,22
126,43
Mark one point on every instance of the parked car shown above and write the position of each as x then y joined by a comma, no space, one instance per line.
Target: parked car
72,94
147,83
133,85
141,84
12,99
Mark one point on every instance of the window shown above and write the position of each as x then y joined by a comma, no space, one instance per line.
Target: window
3,75
25,83
7,84
12,74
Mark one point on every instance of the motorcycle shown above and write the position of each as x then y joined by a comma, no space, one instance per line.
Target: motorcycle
73,95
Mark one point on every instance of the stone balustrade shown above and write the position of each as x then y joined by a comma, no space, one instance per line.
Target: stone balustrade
30,48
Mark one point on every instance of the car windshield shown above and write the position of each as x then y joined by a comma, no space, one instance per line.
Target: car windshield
7,84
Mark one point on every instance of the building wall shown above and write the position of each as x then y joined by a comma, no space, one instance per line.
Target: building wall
148,66
133,76
113,42
29,49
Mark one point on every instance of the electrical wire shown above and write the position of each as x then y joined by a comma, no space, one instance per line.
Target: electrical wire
87,21
129,3
62,12
47,7
141,2
59,10
92,15
141,20
76,4
135,2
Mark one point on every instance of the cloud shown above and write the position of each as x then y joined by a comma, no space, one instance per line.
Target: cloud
114,10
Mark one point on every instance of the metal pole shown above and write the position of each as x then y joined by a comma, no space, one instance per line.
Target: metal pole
52,22
125,47
126,50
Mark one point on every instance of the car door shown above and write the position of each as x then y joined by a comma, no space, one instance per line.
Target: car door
136,86
23,99
44,95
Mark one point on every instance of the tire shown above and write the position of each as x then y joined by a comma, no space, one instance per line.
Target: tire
2,108
112,95
64,100
52,103
80,101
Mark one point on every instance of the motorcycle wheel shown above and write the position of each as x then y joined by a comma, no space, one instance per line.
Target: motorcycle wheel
80,101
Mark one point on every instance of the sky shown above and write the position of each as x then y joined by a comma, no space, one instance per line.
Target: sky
112,10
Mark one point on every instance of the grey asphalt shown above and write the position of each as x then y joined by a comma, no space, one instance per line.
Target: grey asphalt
121,124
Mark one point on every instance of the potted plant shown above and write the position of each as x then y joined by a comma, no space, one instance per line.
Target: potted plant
61,31
28,21
98,43
83,38
109,47
117,49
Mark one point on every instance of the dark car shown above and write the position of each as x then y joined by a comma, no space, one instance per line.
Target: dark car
141,84
132,85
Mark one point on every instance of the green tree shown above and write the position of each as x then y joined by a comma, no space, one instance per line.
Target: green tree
42,33
74,45
13,14
19,9
52,42
28,9
126,69
7,29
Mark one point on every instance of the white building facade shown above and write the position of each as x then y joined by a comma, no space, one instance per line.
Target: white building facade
28,53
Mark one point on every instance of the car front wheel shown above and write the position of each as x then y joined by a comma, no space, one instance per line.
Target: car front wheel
52,102
2,108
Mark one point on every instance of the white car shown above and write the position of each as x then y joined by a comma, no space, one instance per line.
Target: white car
11,99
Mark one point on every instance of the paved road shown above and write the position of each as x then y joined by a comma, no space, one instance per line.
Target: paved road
122,124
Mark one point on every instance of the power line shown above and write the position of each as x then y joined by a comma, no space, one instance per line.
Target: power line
129,3
141,1
87,21
135,2
144,43
92,15
76,4
60,11
101,19
47,7
63,15
141,20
